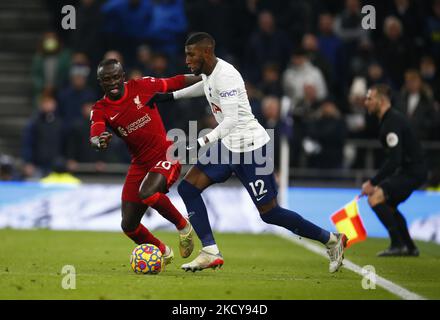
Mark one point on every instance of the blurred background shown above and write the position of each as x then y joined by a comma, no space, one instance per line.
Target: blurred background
307,65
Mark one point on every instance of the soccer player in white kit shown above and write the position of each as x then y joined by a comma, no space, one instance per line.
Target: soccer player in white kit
237,136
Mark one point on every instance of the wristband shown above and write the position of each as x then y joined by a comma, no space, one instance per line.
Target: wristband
201,141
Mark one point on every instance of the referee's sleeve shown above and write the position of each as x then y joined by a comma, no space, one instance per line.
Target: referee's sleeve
393,153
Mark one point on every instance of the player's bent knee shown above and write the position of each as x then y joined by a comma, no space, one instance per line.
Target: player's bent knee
146,193
129,225
150,200
265,208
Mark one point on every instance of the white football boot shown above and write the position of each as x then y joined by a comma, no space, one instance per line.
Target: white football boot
336,252
186,241
203,261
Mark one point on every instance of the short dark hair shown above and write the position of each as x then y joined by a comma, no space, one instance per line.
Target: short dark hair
108,62
383,90
198,37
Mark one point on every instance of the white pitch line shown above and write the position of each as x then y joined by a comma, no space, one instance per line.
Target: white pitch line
380,281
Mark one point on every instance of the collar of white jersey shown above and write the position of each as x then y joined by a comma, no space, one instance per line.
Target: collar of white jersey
217,67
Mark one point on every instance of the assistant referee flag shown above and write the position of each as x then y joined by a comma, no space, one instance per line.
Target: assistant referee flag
348,220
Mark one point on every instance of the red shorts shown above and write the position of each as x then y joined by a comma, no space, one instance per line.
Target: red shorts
136,174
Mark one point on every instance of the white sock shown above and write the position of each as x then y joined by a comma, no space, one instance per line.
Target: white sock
167,250
332,239
185,229
212,249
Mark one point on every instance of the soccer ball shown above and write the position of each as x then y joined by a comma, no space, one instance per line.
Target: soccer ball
146,259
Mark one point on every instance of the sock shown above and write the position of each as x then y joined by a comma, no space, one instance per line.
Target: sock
198,216
332,240
295,223
386,216
163,205
213,249
185,229
403,230
141,235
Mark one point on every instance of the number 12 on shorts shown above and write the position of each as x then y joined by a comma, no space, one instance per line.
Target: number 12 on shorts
258,189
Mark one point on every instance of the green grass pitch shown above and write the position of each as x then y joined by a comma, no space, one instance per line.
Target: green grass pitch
256,267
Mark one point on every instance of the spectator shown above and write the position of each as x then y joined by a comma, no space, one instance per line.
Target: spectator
201,16
432,30
376,74
362,58
60,174
255,96
144,59
114,54
42,138
160,67
135,74
310,45
127,25
301,113
267,44
270,107
416,102
393,51
78,149
329,43
430,76
87,35
328,131
348,26
410,16
271,83
71,98
50,65
300,73
167,27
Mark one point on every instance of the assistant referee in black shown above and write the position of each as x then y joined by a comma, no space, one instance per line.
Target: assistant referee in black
403,171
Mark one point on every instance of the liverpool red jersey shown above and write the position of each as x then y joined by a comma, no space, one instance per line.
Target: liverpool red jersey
139,126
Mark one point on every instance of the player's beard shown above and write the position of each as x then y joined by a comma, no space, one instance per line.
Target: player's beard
198,71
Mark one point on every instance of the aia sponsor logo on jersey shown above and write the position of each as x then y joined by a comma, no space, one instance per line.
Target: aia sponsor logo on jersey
138,102
215,108
227,94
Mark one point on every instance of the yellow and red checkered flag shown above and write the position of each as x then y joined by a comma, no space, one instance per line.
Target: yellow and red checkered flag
348,220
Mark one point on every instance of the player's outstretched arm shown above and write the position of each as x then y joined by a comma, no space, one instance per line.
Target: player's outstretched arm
196,90
191,79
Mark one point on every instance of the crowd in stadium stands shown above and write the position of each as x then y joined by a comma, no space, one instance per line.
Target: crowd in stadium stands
313,56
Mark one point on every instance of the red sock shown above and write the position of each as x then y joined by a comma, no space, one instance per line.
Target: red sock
163,205
141,235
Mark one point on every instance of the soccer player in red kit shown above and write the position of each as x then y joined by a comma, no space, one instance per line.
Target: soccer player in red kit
150,174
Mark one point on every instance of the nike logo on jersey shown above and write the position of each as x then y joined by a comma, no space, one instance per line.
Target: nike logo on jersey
259,198
113,118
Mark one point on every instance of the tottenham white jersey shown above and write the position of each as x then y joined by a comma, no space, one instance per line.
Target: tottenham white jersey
225,91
